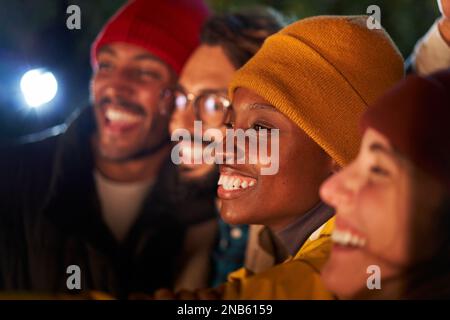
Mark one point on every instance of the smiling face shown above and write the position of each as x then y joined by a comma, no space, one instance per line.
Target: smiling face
208,71
273,200
381,204
127,88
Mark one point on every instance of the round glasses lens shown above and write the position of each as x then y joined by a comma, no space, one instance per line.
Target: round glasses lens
180,101
212,108
211,104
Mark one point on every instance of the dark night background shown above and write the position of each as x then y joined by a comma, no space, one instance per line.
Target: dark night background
33,33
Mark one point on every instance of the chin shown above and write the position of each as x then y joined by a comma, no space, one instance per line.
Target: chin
342,284
234,217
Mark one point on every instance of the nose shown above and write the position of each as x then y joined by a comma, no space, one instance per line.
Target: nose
339,190
118,85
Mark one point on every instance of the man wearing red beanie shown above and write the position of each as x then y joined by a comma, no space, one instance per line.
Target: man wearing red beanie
97,207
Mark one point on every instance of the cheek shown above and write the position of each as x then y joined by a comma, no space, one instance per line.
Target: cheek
148,96
297,182
381,216
304,168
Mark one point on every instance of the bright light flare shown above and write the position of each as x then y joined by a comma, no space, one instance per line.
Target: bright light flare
39,87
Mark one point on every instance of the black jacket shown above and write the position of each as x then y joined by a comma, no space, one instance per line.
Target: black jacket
50,219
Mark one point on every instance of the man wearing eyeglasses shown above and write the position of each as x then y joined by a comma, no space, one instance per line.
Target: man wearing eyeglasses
97,207
228,41
201,96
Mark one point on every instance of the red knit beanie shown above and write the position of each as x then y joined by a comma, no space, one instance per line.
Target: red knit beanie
415,117
169,29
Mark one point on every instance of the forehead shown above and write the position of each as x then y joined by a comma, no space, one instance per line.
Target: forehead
126,51
375,143
372,136
207,68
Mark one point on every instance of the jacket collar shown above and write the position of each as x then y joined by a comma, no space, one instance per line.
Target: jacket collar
72,203
294,236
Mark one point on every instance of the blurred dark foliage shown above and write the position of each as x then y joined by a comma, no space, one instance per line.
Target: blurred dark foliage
34,33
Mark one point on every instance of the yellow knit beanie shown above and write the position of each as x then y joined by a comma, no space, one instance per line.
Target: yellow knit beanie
321,73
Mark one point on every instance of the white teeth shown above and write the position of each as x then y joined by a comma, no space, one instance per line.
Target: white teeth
118,115
234,183
225,182
346,238
356,241
229,184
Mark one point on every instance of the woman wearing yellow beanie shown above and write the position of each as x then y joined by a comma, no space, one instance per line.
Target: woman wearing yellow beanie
312,81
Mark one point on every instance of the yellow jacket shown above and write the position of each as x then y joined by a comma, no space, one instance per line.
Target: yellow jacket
296,278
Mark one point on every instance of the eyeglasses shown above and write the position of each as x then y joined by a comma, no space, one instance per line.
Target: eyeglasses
210,106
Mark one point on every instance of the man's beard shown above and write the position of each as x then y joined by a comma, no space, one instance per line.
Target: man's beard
141,153
207,181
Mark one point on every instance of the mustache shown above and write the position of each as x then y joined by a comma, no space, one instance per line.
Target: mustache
123,103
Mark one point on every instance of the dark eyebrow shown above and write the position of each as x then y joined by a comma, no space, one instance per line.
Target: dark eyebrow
261,106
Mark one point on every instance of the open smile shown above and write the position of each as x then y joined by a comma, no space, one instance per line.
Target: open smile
345,236
232,184
118,120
